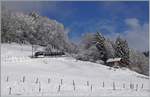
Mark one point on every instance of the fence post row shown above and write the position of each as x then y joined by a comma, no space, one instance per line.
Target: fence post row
132,86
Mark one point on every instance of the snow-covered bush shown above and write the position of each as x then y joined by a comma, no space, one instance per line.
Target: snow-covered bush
139,62
100,62
91,54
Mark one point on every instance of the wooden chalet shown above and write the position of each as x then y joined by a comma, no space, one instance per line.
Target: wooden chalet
114,62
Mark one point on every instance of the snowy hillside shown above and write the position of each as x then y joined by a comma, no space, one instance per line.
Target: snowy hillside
22,75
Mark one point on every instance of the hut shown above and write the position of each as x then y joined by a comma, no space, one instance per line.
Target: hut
114,62
44,54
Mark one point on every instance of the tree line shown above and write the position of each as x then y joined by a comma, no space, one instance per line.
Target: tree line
95,47
31,28
34,29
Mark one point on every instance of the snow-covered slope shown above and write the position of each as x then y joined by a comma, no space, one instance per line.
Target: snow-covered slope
64,76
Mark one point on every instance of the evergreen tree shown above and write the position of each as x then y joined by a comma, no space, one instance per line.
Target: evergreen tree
101,46
122,51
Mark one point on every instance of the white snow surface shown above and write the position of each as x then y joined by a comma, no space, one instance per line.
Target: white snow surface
64,76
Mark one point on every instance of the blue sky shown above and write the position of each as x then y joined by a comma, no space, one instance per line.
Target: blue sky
111,18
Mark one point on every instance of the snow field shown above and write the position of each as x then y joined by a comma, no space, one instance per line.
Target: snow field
64,76
53,84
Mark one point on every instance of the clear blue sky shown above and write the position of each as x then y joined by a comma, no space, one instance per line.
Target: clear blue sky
112,18
82,17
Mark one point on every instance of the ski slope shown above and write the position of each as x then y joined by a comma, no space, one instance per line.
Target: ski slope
64,76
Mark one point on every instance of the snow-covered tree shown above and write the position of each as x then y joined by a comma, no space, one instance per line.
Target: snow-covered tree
140,63
35,29
101,46
95,47
122,51
88,50
109,48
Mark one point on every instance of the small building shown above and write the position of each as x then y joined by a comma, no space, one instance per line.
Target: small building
44,54
114,62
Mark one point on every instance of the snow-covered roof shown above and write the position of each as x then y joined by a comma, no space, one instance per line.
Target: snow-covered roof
113,59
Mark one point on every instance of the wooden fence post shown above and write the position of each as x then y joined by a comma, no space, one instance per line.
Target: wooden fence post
87,83
142,86
10,90
136,87
48,80
39,87
131,86
23,79
73,83
103,84
58,89
7,79
61,81
123,85
91,88
37,80
114,87
74,88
